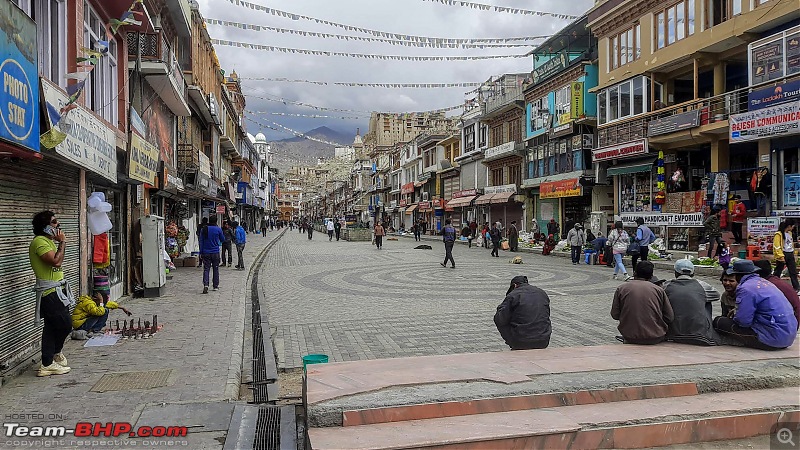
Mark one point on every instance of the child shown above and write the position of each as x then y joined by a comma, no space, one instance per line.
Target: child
724,255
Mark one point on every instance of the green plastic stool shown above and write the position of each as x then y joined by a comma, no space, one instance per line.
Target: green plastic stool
314,359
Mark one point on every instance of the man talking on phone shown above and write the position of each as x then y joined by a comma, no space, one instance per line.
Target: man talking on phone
54,296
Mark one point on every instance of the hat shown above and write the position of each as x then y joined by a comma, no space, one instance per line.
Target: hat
656,280
742,267
578,225
684,267
519,279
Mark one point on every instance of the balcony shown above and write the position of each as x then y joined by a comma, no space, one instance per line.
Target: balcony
188,157
506,100
713,114
161,69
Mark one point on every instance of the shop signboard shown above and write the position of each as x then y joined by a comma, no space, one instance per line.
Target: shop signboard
205,164
465,193
499,150
582,141
221,210
773,95
351,219
500,189
550,67
635,148
143,161
562,130
791,189
576,102
562,188
775,57
773,122
19,71
671,124
403,203
424,206
90,143
663,220
760,231
407,188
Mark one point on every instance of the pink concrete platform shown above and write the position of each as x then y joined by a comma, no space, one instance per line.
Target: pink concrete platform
629,424
335,380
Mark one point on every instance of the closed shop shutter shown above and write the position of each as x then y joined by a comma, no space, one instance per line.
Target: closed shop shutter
467,175
450,186
26,188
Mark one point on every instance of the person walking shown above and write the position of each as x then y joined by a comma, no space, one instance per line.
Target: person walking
330,228
576,239
213,237
513,236
523,319
449,239
310,229
200,228
380,232
486,235
644,237
713,231
495,235
783,251
737,219
337,229
417,229
227,244
241,240
264,226
54,296
619,240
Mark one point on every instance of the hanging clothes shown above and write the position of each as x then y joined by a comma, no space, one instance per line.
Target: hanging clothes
101,251
721,187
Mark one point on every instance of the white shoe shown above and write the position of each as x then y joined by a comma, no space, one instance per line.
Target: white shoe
615,277
61,359
627,277
53,369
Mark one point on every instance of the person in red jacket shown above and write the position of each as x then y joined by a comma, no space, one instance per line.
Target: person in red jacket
737,219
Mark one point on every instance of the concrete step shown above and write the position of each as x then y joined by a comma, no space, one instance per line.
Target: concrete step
624,424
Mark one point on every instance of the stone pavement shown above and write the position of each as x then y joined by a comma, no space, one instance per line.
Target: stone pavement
352,302
200,346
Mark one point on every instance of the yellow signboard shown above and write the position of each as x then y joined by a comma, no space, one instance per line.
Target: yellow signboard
143,164
576,100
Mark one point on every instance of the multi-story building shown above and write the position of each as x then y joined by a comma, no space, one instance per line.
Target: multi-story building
674,81
472,174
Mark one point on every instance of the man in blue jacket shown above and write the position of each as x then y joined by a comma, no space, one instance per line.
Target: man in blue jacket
241,239
763,319
211,237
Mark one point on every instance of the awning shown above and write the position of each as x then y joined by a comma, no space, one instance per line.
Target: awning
484,199
502,197
460,202
411,209
624,169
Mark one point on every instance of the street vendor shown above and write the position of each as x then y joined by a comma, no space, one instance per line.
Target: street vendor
91,314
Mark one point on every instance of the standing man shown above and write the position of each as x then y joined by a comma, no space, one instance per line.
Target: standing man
46,254
467,233
473,227
337,228
329,226
417,228
713,231
241,240
227,244
513,236
203,224
553,229
380,232
213,237
523,319
449,239
642,308
264,226
495,235
644,237
310,229
576,238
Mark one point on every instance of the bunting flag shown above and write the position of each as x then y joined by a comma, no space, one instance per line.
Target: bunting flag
85,64
270,48
312,116
381,34
279,127
502,9
375,85
290,102
435,43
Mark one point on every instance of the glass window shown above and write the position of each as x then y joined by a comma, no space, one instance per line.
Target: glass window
638,96
631,44
660,30
623,47
736,7
102,82
540,112
671,25
638,32
625,99
562,102
613,103
681,22
601,107
615,52
690,17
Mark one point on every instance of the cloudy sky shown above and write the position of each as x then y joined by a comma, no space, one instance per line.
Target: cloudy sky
408,17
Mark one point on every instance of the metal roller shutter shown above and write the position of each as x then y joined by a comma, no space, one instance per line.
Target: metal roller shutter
26,188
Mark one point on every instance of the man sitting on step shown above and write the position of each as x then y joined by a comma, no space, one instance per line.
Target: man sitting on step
642,308
691,303
523,319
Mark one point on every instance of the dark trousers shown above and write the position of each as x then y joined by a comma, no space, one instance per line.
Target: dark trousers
239,250
496,248
746,336
330,235
575,252
448,253
469,239
264,232
644,250
736,228
211,261
790,263
416,236
378,241
310,233
227,250
711,240
505,333
57,326
95,323
338,233
513,244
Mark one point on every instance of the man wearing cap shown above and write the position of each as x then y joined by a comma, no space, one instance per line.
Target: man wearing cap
642,308
763,318
523,319
691,304
737,219
576,238
765,272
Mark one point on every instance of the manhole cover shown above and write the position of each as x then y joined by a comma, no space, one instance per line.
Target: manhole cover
122,381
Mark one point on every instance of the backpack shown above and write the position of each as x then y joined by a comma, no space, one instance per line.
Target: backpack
449,234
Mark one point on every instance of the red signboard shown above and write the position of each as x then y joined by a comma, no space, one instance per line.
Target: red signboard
465,193
423,206
221,209
403,202
634,148
407,188
562,188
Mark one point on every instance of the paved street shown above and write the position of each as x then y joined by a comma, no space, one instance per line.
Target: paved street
351,301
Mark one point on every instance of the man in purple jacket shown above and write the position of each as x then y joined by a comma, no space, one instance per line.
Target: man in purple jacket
763,319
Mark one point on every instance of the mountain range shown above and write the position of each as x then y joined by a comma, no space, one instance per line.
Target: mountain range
299,151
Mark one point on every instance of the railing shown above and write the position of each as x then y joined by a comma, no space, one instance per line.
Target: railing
509,94
155,48
712,110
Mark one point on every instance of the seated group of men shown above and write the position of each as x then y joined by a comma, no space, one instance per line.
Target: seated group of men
759,310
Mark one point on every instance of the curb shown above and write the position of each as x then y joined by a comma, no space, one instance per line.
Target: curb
234,377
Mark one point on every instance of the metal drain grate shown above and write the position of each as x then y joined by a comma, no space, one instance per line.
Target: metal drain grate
268,428
123,381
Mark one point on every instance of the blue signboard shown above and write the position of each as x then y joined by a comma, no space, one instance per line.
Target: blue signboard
773,95
19,68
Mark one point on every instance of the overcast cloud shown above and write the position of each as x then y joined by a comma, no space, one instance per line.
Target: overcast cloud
412,17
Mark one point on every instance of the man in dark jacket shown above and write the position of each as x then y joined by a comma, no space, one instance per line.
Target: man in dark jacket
691,304
227,244
337,228
523,319
449,239
513,236
553,228
495,234
642,308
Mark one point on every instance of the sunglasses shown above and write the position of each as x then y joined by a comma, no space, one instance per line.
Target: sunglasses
54,222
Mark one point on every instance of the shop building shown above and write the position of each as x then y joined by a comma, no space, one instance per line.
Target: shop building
472,174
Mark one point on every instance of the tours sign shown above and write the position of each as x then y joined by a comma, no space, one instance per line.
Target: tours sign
143,164
19,96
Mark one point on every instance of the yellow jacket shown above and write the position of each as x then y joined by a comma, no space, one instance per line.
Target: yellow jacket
86,307
777,246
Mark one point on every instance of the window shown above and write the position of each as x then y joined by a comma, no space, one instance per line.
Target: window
497,177
626,99
102,83
540,114
601,107
469,138
51,30
718,11
562,97
515,130
497,135
514,174
674,23
483,131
